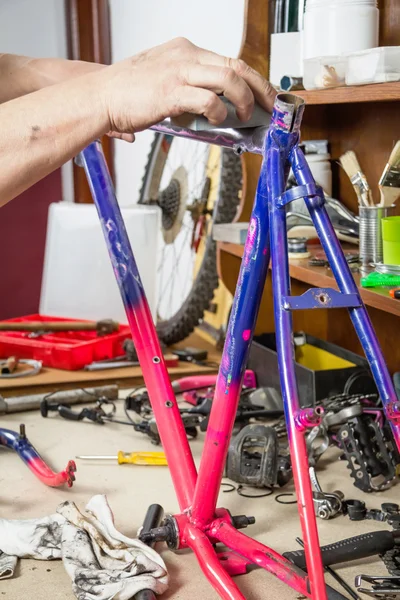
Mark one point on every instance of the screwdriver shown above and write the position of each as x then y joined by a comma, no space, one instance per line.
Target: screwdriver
133,458
395,293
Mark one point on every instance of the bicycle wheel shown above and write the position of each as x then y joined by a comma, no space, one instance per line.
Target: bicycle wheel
195,185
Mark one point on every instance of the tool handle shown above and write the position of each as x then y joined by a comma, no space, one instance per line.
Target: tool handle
66,413
360,546
142,458
333,594
103,327
152,519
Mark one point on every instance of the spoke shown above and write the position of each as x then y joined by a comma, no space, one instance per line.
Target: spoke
162,259
177,265
173,276
161,276
166,285
194,158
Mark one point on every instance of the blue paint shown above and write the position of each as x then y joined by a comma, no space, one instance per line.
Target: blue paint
118,244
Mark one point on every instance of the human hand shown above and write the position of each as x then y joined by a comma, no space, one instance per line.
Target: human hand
174,78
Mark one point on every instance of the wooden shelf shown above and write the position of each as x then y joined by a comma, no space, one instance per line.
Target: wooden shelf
377,92
322,277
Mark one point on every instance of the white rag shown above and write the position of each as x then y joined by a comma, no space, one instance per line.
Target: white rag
103,563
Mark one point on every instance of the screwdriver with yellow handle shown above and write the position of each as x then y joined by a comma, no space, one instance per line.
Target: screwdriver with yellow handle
132,458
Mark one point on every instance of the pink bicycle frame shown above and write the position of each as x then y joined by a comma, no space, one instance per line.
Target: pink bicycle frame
201,525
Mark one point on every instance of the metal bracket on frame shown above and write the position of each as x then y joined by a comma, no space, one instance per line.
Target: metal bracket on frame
301,191
320,298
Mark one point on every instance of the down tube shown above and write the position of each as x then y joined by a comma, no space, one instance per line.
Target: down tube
155,374
359,316
242,321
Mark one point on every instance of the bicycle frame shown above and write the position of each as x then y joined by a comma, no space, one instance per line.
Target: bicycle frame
201,525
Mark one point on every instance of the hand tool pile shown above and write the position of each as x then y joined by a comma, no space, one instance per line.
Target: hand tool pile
353,424
258,457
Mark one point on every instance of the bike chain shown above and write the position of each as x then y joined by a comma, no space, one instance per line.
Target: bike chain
391,560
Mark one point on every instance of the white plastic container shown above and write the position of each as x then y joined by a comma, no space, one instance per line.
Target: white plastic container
324,72
78,279
286,57
336,27
321,169
377,65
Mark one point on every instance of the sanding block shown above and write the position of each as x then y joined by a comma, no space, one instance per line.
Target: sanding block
259,118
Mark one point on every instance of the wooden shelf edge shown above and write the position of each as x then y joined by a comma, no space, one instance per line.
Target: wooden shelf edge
376,92
315,276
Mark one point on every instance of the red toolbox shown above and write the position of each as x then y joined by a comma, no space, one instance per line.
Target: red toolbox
70,350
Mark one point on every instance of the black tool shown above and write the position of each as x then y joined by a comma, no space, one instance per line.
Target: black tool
385,588
152,519
195,356
360,546
335,576
191,354
356,509
96,414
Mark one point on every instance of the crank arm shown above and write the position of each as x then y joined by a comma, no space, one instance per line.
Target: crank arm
20,443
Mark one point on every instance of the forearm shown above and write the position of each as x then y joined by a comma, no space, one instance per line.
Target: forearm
42,130
20,75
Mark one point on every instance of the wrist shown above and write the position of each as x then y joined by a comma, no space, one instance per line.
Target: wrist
91,91
106,85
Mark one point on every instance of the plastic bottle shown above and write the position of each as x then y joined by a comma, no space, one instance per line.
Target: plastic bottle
337,27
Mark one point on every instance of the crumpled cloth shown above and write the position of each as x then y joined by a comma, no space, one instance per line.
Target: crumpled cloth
103,563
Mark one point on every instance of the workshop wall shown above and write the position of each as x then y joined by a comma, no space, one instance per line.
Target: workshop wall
35,29
136,26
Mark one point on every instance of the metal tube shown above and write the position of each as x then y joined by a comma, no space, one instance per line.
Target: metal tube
240,140
79,396
147,345
263,557
359,316
210,564
242,321
278,147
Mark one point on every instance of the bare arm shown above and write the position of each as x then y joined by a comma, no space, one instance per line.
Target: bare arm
20,75
41,130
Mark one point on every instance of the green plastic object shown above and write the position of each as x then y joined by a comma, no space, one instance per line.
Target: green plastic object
380,280
391,240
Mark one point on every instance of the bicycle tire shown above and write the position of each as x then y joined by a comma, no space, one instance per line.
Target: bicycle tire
191,312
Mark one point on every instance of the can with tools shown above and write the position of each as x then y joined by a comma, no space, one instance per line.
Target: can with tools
371,245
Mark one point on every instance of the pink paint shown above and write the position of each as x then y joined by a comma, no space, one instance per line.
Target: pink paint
246,334
252,238
262,556
211,566
169,421
305,503
216,446
48,476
